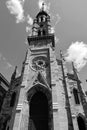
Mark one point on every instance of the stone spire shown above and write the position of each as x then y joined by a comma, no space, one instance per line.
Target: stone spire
14,74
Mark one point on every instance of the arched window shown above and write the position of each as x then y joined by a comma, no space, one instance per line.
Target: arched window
39,33
42,19
81,123
76,97
13,97
39,112
44,33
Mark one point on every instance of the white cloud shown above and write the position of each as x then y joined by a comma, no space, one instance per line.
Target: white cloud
16,8
77,53
29,20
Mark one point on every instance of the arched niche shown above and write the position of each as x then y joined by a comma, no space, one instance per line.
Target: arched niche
40,104
81,122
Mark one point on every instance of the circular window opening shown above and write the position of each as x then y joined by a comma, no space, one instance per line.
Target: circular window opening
40,63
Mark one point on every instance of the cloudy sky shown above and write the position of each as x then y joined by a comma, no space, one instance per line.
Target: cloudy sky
69,20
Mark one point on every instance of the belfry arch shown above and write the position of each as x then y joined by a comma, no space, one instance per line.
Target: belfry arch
40,108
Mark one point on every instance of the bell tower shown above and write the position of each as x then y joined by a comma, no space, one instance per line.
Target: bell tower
41,25
41,103
34,109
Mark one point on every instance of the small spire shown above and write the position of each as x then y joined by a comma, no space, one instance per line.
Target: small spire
14,74
74,69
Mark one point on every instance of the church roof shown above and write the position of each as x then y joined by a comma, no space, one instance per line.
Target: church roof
4,80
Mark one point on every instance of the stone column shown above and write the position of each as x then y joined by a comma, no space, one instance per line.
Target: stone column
24,116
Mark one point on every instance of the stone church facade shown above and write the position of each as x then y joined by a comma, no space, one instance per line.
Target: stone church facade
43,97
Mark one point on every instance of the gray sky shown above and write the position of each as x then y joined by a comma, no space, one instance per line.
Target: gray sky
71,27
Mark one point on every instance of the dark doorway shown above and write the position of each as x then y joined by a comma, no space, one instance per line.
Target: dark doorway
39,112
81,123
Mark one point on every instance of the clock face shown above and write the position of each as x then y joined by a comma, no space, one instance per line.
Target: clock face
39,63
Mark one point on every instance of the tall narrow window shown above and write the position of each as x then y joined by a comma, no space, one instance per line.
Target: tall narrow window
44,33
76,97
41,19
12,102
39,33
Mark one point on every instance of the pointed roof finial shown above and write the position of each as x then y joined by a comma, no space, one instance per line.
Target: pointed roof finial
43,4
